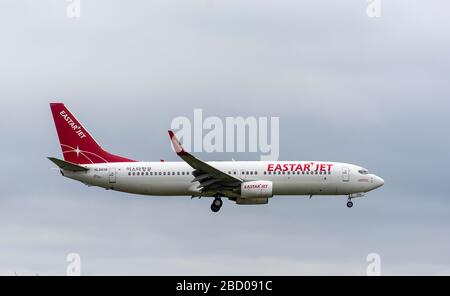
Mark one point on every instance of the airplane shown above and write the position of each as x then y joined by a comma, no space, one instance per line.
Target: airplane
243,182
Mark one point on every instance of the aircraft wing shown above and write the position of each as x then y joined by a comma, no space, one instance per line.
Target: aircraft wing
210,178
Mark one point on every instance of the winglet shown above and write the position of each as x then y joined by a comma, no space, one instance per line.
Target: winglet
176,144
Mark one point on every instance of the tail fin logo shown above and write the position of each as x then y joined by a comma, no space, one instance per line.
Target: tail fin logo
77,145
78,131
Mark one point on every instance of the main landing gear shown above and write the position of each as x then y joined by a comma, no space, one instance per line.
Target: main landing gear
216,204
349,203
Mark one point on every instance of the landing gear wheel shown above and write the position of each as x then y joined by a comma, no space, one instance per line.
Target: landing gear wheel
214,208
349,204
217,202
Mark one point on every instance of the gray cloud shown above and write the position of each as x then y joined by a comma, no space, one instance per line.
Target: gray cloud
346,88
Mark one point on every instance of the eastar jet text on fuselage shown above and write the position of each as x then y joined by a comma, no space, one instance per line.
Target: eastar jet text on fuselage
244,182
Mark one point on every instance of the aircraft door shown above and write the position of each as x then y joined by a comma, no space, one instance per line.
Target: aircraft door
112,175
345,174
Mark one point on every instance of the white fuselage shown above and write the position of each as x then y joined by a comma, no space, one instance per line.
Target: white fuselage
175,178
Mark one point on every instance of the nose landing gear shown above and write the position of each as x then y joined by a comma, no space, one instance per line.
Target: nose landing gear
349,202
216,204
353,195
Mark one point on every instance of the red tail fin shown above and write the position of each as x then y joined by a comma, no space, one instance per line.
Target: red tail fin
77,144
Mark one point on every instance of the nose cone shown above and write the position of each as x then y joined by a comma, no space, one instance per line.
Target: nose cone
377,182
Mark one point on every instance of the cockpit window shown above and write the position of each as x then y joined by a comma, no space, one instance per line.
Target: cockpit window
363,171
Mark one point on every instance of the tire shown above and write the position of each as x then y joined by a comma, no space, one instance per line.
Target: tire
214,208
217,202
349,204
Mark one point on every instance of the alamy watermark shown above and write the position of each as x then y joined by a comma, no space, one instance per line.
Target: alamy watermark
373,9
374,267
73,9
231,134
74,266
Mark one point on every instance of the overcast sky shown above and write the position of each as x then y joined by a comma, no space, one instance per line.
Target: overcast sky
346,87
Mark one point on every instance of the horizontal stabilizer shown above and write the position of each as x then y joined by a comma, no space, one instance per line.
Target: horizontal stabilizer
65,165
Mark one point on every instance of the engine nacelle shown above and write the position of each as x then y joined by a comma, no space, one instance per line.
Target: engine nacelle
256,189
251,201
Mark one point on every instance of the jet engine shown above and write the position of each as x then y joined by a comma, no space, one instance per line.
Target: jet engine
256,189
